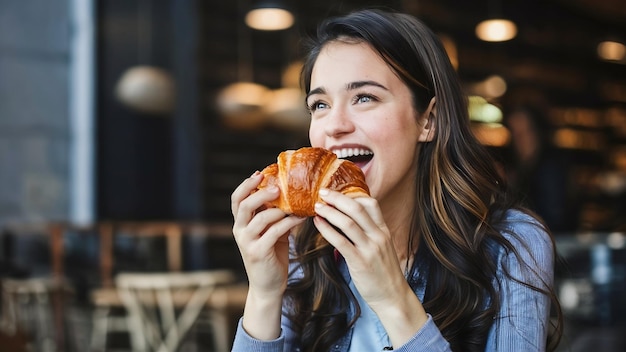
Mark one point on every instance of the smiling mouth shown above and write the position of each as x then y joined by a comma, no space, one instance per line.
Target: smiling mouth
358,156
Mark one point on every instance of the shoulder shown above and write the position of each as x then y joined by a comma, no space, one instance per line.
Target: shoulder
521,228
531,250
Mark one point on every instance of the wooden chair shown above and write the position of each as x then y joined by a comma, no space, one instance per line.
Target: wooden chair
38,303
161,308
109,315
171,231
28,307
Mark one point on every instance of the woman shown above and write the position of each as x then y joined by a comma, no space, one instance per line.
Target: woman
436,259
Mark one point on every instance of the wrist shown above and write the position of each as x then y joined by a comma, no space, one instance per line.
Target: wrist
402,318
261,317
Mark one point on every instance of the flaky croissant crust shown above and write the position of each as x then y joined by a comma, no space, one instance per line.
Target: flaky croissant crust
300,174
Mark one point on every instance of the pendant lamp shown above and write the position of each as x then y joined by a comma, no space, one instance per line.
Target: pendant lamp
241,103
269,15
496,28
286,107
146,88
612,50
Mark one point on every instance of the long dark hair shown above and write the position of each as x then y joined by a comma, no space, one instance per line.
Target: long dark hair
460,196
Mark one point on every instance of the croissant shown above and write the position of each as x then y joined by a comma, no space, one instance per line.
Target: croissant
300,174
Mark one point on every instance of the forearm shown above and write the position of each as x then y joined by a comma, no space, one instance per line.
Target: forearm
261,317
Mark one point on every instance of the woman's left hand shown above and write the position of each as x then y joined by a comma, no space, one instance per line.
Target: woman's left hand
371,257
367,245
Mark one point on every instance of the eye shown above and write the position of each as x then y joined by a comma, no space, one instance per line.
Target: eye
364,98
318,104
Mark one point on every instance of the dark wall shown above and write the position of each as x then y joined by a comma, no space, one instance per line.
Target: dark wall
134,150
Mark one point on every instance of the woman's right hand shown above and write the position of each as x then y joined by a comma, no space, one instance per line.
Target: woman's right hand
262,236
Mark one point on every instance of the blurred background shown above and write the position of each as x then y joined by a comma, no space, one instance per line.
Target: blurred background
126,124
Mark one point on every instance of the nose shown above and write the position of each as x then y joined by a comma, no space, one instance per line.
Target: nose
338,123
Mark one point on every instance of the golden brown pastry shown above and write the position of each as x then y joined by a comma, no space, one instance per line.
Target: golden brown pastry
300,174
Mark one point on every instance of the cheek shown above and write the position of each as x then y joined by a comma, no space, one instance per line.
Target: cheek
315,135
402,121
396,132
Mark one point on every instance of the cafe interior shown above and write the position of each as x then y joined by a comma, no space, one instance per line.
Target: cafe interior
126,125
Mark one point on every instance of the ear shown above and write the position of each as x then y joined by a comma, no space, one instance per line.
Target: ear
427,121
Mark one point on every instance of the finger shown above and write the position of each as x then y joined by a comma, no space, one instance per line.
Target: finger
373,209
357,212
247,231
264,219
348,227
248,207
243,190
277,230
336,239
282,227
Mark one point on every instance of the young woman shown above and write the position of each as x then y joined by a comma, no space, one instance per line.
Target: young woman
436,259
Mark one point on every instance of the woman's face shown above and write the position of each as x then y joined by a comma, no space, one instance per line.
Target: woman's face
362,111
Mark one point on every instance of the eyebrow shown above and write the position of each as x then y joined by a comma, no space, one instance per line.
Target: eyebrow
350,86
318,90
359,84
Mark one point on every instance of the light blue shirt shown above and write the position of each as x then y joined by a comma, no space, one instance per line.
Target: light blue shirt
521,324
369,333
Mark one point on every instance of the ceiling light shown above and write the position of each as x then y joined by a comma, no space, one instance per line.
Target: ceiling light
491,134
490,88
495,86
286,109
241,104
290,76
269,16
496,30
482,111
147,89
612,51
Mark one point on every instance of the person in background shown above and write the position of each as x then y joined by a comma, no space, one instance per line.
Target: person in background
536,171
437,259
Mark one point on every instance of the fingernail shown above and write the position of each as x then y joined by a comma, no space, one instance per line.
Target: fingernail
318,205
323,192
256,173
272,189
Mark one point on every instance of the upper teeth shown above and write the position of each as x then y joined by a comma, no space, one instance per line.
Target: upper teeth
348,152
